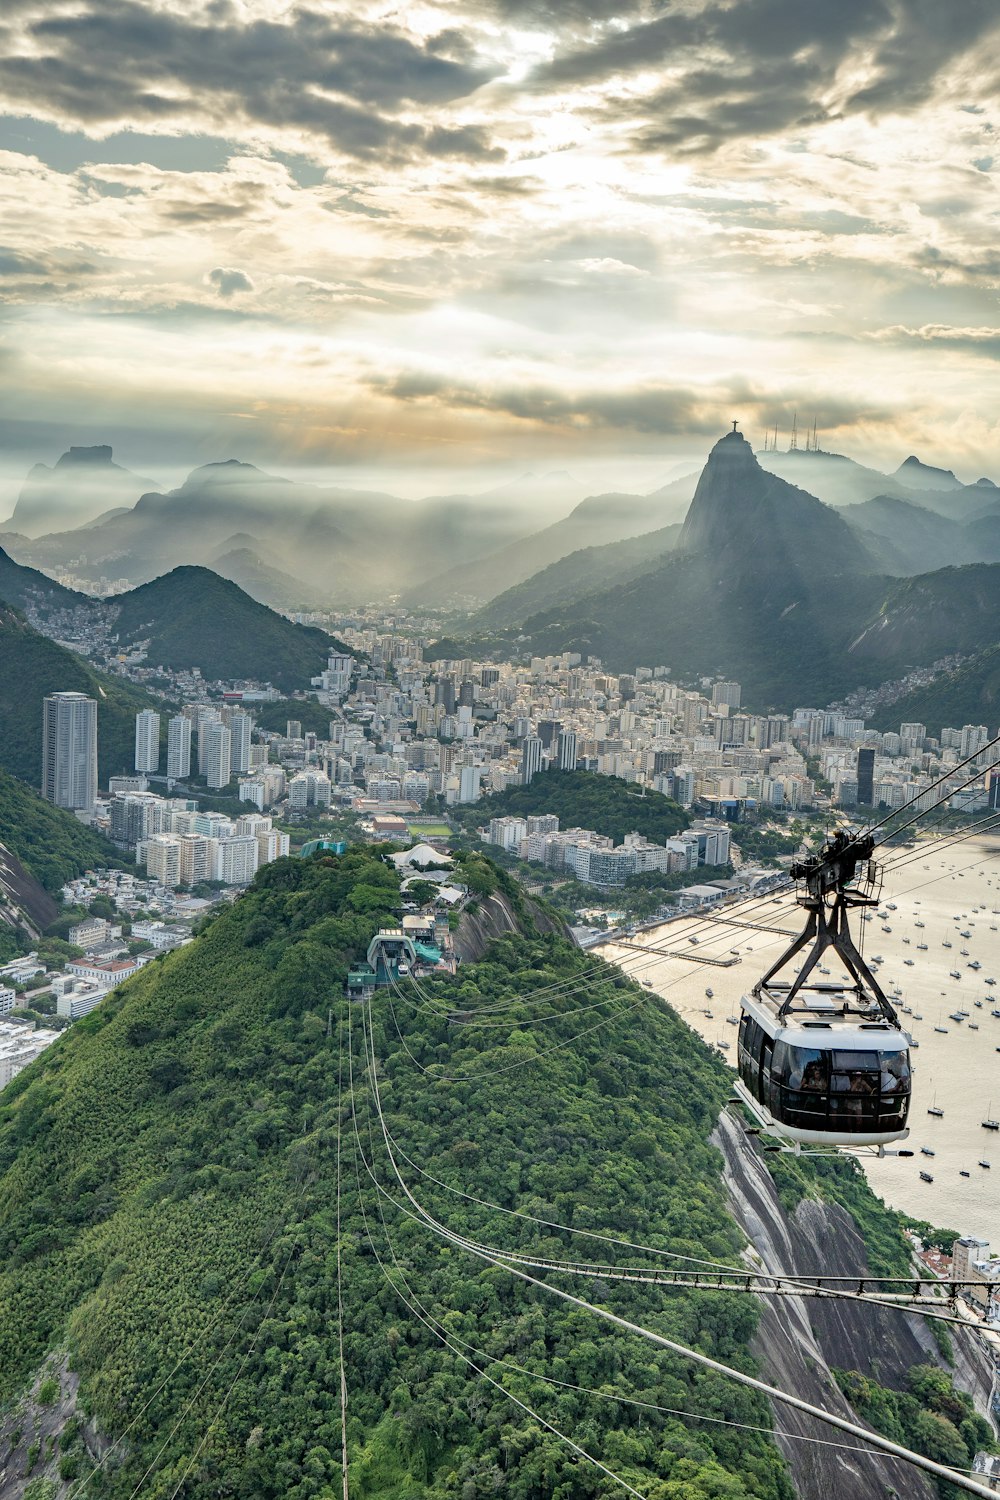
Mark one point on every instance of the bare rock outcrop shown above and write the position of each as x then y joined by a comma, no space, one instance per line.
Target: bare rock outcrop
800,1341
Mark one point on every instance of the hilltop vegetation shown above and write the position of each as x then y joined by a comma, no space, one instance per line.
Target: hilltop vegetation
169,1199
178,1148
20,586
969,695
583,799
30,667
193,618
51,843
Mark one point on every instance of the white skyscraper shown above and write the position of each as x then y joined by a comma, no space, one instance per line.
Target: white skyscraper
531,758
217,743
468,783
179,748
566,746
147,740
69,751
206,718
239,728
236,859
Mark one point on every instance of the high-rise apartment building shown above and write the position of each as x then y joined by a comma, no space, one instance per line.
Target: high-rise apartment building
239,728
531,758
566,750
217,742
866,777
468,783
236,859
179,748
206,717
198,858
163,859
729,693
69,751
147,740
974,737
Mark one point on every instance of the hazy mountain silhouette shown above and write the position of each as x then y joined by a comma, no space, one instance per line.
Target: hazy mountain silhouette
774,588
920,476
345,545
83,484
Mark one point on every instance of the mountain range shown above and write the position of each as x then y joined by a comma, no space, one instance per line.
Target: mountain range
322,543
788,570
296,545
764,582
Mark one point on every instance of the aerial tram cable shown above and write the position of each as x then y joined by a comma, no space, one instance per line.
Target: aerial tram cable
961,1481
781,1284
873,828
340,1290
604,1395
579,982
80,1484
656,957
744,905
220,1408
551,1380
443,1337
902,859
207,1377
699,923
767,1283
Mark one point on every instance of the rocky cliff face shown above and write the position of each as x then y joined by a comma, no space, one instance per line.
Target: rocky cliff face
802,1340
496,918
24,904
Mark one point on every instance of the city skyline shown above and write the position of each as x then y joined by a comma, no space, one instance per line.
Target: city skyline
463,240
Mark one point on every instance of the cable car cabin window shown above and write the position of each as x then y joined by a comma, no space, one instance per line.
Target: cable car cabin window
768,1087
751,1038
801,1079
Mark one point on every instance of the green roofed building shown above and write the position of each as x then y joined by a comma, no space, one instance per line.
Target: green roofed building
329,846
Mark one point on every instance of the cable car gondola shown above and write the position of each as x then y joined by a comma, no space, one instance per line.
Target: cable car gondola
821,1063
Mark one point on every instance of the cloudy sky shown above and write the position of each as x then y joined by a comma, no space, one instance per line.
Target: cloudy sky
477,236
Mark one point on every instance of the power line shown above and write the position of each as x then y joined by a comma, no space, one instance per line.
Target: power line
444,1338
340,1294
885,1444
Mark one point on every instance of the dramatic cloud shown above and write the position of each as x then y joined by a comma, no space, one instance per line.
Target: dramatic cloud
488,230
227,281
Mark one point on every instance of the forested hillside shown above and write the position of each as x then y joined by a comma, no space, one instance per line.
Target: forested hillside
51,843
583,799
191,617
168,1193
30,667
172,1173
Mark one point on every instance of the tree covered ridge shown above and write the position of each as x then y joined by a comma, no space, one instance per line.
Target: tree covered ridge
32,666
192,617
168,1190
51,843
584,799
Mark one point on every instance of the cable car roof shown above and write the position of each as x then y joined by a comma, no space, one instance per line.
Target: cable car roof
821,1023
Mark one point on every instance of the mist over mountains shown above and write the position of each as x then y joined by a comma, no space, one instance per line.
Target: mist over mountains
803,573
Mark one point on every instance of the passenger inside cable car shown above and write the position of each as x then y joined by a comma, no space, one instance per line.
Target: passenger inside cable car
857,1092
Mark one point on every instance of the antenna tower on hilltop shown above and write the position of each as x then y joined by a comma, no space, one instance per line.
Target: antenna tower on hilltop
793,446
